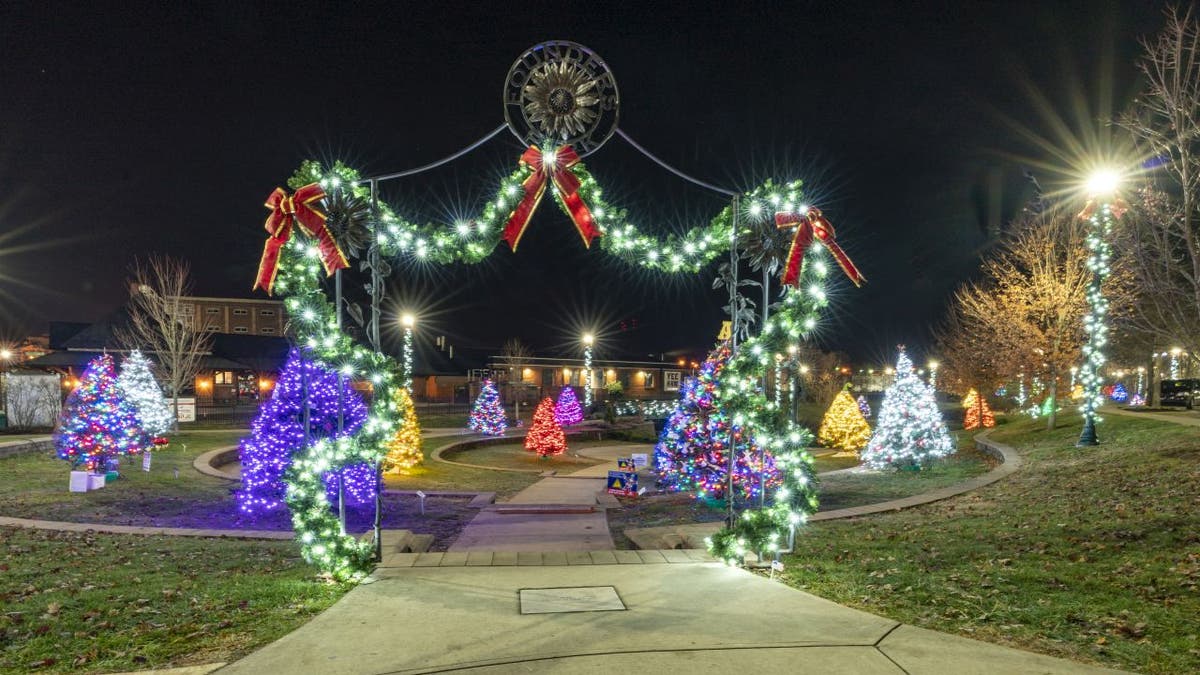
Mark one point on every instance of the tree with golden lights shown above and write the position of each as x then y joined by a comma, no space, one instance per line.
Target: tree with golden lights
844,426
404,450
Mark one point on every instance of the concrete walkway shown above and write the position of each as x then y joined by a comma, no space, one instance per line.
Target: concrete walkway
1183,417
558,513
666,618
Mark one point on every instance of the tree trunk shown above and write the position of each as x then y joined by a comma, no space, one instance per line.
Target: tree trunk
175,402
1052,418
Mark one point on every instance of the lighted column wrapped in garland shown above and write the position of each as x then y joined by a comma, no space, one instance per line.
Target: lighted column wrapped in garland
692,453
97,422
277,433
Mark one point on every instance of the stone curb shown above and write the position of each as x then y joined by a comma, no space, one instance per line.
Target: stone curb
470,443
690,556
1010,463
62,526
208,462
39,444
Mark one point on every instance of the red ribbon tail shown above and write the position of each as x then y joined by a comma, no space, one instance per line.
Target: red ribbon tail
518,220
582,217
331,254
844,261
795,257
268,266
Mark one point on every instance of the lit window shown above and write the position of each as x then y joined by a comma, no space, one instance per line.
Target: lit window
241,329
223,377
266,312
241,312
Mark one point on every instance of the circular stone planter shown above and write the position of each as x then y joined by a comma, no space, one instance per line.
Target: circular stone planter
210,463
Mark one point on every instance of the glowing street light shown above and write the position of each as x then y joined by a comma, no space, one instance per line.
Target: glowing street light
1103,208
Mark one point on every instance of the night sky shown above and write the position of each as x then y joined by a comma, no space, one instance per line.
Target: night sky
126,130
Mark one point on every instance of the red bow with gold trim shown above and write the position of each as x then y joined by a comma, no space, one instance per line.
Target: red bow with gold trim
554,165
1117,207
297,209
809,225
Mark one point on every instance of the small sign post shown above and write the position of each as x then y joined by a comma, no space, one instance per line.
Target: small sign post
640,459
625,464
622,483
146,461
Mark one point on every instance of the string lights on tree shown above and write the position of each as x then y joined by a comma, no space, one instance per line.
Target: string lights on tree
909,432
588,339
567,410
139,387
978,414
487,415
844,426
545,435
404,449
97,423
408,321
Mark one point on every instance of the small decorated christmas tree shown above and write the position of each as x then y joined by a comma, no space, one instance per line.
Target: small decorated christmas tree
404,450
844,426
1119,393
487,416
567,410
909,432
97,423
863,406
693,451
278,432
139,387
545,436
978,413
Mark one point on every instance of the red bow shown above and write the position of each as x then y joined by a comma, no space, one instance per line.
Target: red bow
554,165
1117,207
298,209
808,225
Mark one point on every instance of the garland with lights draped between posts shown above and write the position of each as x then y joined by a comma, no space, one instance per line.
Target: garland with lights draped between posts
292,266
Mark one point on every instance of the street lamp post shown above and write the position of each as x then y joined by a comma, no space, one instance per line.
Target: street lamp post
933,368
408,321
1102,211
588,339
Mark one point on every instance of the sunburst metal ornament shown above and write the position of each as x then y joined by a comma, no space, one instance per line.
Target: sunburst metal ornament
561,93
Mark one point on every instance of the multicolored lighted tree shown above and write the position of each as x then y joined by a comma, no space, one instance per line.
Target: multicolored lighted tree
487,416
844,426
978,412
909,432
545,436
863,406
139,387
278,433
693,451
404,450
97,423
567,410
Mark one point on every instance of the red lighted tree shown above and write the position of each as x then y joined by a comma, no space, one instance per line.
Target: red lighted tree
978,412
545,435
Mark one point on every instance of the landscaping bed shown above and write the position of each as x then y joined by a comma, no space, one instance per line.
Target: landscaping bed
514,456
102,603
36,487
1091,554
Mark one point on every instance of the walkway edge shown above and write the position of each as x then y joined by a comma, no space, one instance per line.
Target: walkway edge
63,526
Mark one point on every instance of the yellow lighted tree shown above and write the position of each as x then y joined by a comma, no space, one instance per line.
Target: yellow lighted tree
404,450
844,426
978,413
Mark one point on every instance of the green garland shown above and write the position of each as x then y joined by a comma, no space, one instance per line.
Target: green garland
299,281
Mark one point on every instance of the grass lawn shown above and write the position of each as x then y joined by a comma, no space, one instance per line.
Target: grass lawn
844,490
1091,554
9,438
515,456
103,603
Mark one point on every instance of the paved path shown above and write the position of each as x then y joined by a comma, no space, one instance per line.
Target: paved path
559,513
694,618
1181,417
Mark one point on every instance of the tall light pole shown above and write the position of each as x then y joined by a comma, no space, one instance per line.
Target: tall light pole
5,356
588,339
1101,213
933,368
408,321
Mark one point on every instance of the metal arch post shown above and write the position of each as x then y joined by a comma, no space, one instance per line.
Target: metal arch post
733,339
376,291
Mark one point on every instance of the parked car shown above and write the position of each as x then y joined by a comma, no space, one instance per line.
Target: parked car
1180,392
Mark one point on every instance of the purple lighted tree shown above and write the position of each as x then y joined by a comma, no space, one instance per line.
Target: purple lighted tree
567,410
278,433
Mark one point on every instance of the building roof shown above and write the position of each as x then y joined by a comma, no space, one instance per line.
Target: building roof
79,358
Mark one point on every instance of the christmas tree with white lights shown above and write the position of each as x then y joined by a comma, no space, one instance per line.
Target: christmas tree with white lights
909,431
487,417
139,387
